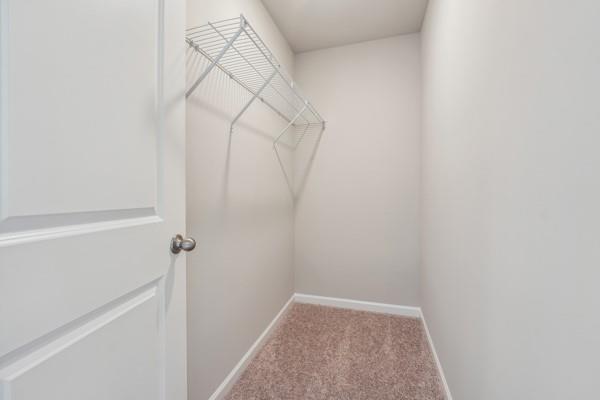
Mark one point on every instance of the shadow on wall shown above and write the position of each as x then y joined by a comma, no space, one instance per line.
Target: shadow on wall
223,98
307,139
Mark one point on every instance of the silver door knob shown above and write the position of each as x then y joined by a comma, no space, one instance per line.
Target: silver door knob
179,243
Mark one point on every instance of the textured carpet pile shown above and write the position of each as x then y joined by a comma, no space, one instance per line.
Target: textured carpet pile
329,353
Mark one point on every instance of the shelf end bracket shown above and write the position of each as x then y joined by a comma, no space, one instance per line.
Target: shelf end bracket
218,57
254,97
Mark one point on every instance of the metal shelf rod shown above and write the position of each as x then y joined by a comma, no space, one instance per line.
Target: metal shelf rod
250,102
288,125
239,82
216,60
235,48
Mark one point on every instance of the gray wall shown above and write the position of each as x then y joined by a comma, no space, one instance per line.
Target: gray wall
356,225
239,209
511,196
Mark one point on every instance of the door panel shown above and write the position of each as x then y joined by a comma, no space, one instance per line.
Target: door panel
86,88
47,283
125,366
92,303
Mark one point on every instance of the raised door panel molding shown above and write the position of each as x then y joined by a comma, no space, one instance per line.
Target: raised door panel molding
61,162
60,368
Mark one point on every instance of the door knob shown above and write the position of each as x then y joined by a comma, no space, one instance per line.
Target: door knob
179,243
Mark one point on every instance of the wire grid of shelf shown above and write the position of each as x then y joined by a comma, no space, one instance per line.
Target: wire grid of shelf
234,47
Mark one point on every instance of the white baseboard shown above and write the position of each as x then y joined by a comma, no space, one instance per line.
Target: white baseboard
408,311
381,308
358,305
237,371
435,357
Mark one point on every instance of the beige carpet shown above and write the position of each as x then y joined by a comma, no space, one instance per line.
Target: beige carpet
329,353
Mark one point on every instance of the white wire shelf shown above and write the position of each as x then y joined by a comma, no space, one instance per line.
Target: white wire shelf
234,47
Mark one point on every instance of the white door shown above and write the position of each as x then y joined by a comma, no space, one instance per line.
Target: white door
92,174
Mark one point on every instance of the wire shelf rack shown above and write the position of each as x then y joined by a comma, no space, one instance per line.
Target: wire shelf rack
234,47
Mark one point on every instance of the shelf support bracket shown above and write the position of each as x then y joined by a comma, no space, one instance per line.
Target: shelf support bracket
257,94
287,178
301,136
290,124
216,60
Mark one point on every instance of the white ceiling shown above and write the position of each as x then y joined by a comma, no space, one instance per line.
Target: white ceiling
316,24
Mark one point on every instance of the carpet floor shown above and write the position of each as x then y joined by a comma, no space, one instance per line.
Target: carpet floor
328,353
